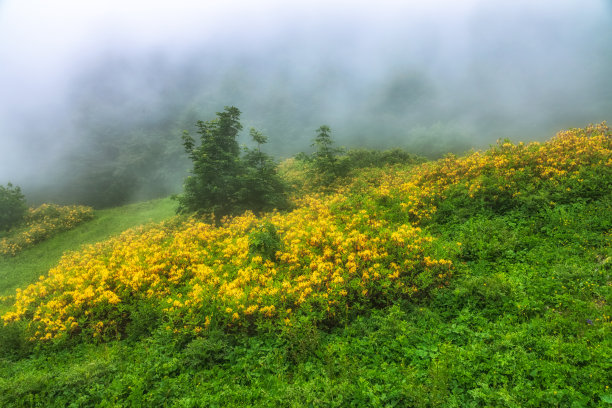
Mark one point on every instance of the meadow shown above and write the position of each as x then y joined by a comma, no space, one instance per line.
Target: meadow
473,281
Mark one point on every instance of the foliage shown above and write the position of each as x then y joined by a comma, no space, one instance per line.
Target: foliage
222,182
214,182
325,157
363,158
144,319
265,241
12,207
41,223
522,317
262,187
574,165
204,352
14,343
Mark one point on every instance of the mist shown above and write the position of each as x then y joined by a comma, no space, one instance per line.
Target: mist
94,95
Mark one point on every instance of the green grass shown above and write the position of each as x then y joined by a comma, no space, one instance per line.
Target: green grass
27,266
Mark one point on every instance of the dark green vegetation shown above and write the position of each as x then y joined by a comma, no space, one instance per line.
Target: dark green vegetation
12,207
325,158
524,322
222,182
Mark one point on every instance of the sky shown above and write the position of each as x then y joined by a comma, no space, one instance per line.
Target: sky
77,76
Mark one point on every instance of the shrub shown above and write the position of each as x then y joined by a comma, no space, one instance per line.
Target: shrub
145,317
328,163
362,158
301,340
13,207
14,343
487,239
205,351
262,187
265,241
43,222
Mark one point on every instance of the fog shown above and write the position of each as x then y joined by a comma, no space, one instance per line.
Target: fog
94,94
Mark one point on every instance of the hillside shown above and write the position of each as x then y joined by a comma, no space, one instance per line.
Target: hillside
482,280
26,266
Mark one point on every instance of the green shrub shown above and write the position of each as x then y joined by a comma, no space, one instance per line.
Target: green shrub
14,341
301,340
265,241
205,351
262,189
13,207
362,158
489,239
491,295
144,319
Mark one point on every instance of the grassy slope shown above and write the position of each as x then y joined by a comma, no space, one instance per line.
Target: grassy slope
28,265
525,322
511,330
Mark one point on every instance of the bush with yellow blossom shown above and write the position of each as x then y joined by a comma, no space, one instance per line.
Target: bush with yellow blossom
41,223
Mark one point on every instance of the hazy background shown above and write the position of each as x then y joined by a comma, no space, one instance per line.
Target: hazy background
94,94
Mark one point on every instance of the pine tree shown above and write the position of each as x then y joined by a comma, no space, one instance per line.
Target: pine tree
325,157
214,183
222,182
263,186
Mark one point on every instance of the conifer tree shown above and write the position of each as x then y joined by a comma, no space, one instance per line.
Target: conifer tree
264,187
325,157
213,184
222,182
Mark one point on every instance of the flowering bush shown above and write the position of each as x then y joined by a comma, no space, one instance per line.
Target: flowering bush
574,164
43,222
329,263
